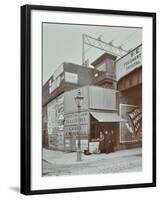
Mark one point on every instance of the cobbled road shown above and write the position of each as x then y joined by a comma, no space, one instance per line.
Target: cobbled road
113,165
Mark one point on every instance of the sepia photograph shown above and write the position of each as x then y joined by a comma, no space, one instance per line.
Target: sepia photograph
87,106
91,99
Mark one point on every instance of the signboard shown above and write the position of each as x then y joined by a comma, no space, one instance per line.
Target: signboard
135,116
55,115
71,77
130,131
73,129
71,123
129,62
72,118
94,147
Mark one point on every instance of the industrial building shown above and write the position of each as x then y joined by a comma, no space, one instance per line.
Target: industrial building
66,77
98,113
112,92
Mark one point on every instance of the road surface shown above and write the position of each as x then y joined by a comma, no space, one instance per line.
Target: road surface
56,163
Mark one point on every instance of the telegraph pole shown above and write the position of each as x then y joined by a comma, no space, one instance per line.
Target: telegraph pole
83,50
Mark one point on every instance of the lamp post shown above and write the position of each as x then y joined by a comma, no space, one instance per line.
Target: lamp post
79,100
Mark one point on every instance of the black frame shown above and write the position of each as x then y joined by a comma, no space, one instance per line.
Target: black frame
26,95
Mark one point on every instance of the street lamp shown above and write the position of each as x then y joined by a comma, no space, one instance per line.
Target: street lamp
79,100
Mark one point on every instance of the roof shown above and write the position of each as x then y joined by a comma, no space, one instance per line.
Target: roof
102,58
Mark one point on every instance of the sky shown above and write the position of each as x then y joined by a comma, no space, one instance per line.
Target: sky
63,43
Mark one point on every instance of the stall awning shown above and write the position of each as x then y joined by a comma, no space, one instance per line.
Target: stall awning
107,117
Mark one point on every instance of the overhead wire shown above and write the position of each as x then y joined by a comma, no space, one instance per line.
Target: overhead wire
125,41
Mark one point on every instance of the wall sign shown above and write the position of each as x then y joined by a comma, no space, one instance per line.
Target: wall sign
72,118
129,62
135,117
71,77
130,131
71,123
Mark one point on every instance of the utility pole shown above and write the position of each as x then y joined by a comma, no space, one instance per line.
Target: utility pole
83,50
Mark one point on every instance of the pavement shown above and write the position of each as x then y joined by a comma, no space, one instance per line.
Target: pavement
62,163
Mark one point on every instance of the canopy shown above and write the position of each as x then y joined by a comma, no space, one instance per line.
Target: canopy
107,117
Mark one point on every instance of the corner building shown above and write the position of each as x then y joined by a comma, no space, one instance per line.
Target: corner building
112,92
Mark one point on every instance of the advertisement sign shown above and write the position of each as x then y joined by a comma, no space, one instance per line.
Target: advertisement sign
94,147
129,62
135,116
55,115
130,131
71,77
72,118
71,123
73,129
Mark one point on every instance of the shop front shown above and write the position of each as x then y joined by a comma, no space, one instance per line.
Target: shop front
93,124
105,129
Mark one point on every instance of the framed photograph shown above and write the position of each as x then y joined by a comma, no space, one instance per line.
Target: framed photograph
88,99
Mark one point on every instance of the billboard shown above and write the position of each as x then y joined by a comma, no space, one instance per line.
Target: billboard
71,123
129,62
131,130
55,115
